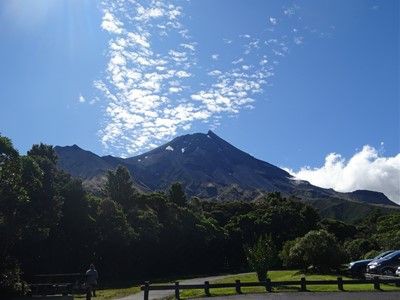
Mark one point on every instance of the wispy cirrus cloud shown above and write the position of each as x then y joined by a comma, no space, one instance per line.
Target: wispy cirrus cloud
367,169
155,85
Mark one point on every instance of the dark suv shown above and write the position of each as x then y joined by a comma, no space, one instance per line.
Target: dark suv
358,268
386,265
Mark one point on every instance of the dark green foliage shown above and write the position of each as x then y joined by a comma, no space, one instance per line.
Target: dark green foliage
371,254
112,225
261,257
318,249
13,212
43,151
388,231
357,248
286,256
177,195
119,187
285,219
13,198
339,229
11,284
46,202
7,151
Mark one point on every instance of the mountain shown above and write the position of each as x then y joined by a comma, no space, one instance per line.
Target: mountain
211,168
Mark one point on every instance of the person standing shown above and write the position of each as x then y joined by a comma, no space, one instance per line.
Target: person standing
91,278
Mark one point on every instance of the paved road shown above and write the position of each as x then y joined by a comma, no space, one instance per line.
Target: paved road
316,295
153,295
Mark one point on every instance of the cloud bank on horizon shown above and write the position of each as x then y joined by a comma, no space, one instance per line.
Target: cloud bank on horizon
365,170
157,83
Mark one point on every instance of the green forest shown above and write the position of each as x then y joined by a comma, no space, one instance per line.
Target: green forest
50,224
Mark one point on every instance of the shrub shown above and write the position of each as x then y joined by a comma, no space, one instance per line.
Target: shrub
261,257
371,254
356,249
318,249
10,279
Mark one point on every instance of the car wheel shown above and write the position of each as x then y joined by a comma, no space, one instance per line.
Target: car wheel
388,272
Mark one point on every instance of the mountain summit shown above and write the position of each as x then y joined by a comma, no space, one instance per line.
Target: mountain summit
205,163
209,167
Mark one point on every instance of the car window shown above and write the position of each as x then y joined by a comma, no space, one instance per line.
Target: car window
393,255
384,254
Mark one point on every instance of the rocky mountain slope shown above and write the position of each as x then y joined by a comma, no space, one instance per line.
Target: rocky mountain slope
209,167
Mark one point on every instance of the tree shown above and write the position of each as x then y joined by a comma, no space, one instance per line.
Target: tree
341,230
46,202
13,197
318,249
388,231
75,235
112,223
114,236
261,256
43,151
177,194
13,217
119,187
372,254
357,248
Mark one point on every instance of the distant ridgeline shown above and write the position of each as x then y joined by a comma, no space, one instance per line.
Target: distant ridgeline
211,168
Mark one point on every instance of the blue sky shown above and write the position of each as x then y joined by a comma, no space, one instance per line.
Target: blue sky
289,82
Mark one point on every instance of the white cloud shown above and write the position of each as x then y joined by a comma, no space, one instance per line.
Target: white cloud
298,40
175,89
182,74
366,169
214,73
81,99
144,14
94,100
237,61
273,21
291,10
139,39
152,92
110,23
189,46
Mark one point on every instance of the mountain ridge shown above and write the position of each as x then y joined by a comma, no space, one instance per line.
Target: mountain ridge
209,167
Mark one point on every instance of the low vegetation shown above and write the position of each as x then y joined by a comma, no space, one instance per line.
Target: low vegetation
112,293
50,224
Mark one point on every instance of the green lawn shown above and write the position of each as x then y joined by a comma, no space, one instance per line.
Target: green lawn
112,293
282,276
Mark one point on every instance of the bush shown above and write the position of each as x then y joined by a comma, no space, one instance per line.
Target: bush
341,230
318,249
10,279
288,260
356,249
388,231
371,254
261,257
